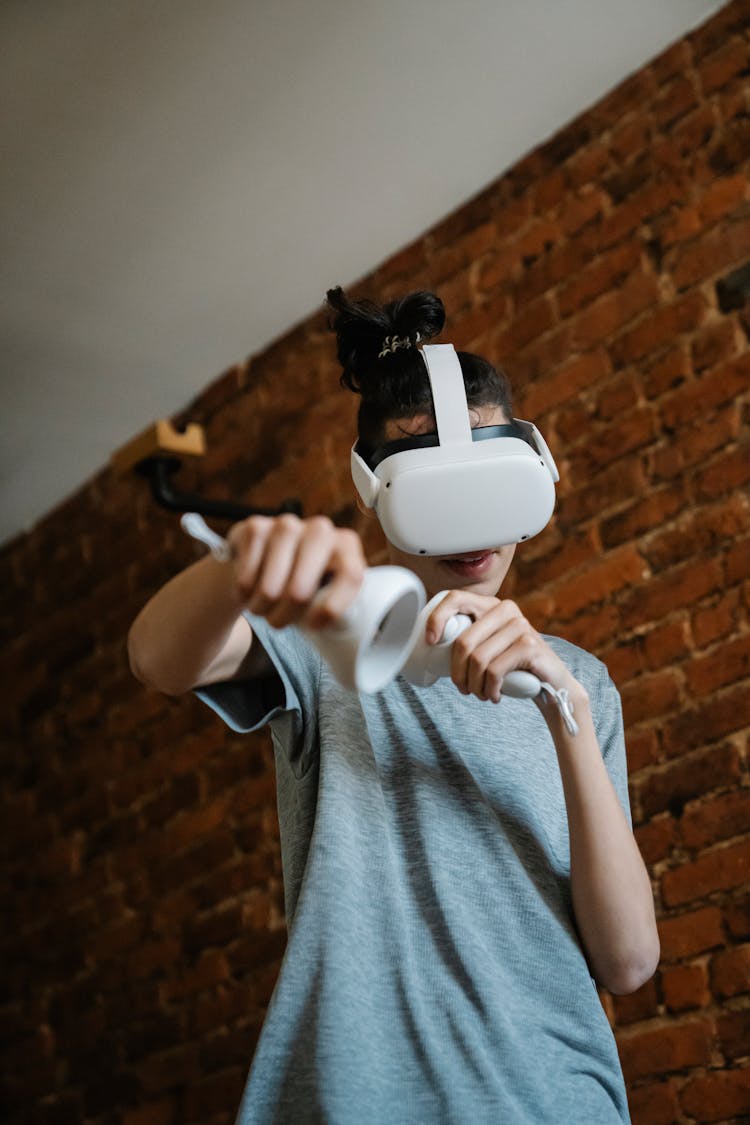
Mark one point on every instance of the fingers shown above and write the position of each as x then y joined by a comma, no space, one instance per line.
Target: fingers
346,567
484,653
281,562
499,641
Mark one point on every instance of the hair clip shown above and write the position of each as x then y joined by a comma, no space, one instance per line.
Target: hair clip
392,343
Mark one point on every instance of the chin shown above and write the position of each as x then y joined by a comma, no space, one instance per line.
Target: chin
482,573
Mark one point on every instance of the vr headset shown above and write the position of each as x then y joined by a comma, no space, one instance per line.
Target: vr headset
460,489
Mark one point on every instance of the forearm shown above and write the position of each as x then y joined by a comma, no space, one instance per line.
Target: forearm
612,896
180,632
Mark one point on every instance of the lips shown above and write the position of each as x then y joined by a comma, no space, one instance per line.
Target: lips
471,564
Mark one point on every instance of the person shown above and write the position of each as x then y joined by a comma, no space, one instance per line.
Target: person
459,869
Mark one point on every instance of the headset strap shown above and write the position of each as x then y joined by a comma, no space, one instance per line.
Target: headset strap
430,441
448,393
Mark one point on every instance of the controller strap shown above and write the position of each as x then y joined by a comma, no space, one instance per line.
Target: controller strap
561,698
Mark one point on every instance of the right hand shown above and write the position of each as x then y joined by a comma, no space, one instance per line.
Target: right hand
295,571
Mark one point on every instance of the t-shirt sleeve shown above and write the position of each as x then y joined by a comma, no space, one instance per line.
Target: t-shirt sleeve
285,700
606,707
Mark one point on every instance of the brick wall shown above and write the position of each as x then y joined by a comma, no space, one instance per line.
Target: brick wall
142,877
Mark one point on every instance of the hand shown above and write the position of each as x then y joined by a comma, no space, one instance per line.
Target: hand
281,562
499,641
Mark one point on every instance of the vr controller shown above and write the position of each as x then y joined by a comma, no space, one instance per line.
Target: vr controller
383,632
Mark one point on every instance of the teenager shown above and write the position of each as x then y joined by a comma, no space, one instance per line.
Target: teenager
459,869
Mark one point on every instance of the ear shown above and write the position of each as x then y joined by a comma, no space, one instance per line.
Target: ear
369,513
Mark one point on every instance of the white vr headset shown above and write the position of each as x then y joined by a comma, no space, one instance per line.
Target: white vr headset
461,489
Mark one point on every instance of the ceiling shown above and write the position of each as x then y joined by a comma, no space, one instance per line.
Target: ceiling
181,181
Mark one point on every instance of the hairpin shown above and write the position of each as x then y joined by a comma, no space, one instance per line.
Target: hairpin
392,343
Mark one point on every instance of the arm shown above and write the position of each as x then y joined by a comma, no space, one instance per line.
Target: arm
612,898
192,631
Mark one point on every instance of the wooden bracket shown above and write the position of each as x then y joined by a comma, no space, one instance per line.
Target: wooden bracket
160,439
156,454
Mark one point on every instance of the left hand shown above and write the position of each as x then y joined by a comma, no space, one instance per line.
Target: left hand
499,641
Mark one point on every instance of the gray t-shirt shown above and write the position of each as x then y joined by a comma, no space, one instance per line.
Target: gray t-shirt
433,973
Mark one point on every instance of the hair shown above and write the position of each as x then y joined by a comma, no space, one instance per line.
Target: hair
396,384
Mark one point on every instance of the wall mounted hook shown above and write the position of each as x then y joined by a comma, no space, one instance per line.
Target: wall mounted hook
157,455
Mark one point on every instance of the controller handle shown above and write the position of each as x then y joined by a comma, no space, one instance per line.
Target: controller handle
428,663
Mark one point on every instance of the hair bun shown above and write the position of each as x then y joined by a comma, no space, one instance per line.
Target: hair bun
364,328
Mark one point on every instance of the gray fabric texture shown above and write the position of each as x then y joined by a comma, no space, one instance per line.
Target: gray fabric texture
432,973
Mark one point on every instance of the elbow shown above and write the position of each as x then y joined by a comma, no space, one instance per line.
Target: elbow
144,670
631,973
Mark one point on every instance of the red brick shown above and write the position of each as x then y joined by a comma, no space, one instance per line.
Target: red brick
657,838
480,319
717,1096
543,355
712,33
558,264
211,1095
738,561
661,1050
659,329
723,196
650,696
654,1103
619,482
652,509
453,258
707,721
737,913
550,190
677,588
670,370
734,1033
617,396
601,276
717,870
529,323
636,1006
674,100
730,971
726,472
708,255
666,644
512,215
690,933
625,661
717,620
578,374
619,569
615,309
675,783
638,208
685,987
161,1112
693,443
705,531
726,664
718,68
643,748
558,560
210,969
715,343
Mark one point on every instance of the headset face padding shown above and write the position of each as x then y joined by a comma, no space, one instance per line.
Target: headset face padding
469,492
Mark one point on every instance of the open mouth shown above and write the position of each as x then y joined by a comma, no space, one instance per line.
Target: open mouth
473,564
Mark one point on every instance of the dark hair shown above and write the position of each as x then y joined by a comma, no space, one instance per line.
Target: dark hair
395,384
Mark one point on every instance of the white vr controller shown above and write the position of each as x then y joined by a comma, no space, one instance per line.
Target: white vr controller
382,633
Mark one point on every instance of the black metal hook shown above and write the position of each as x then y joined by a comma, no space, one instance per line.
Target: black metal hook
159,470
